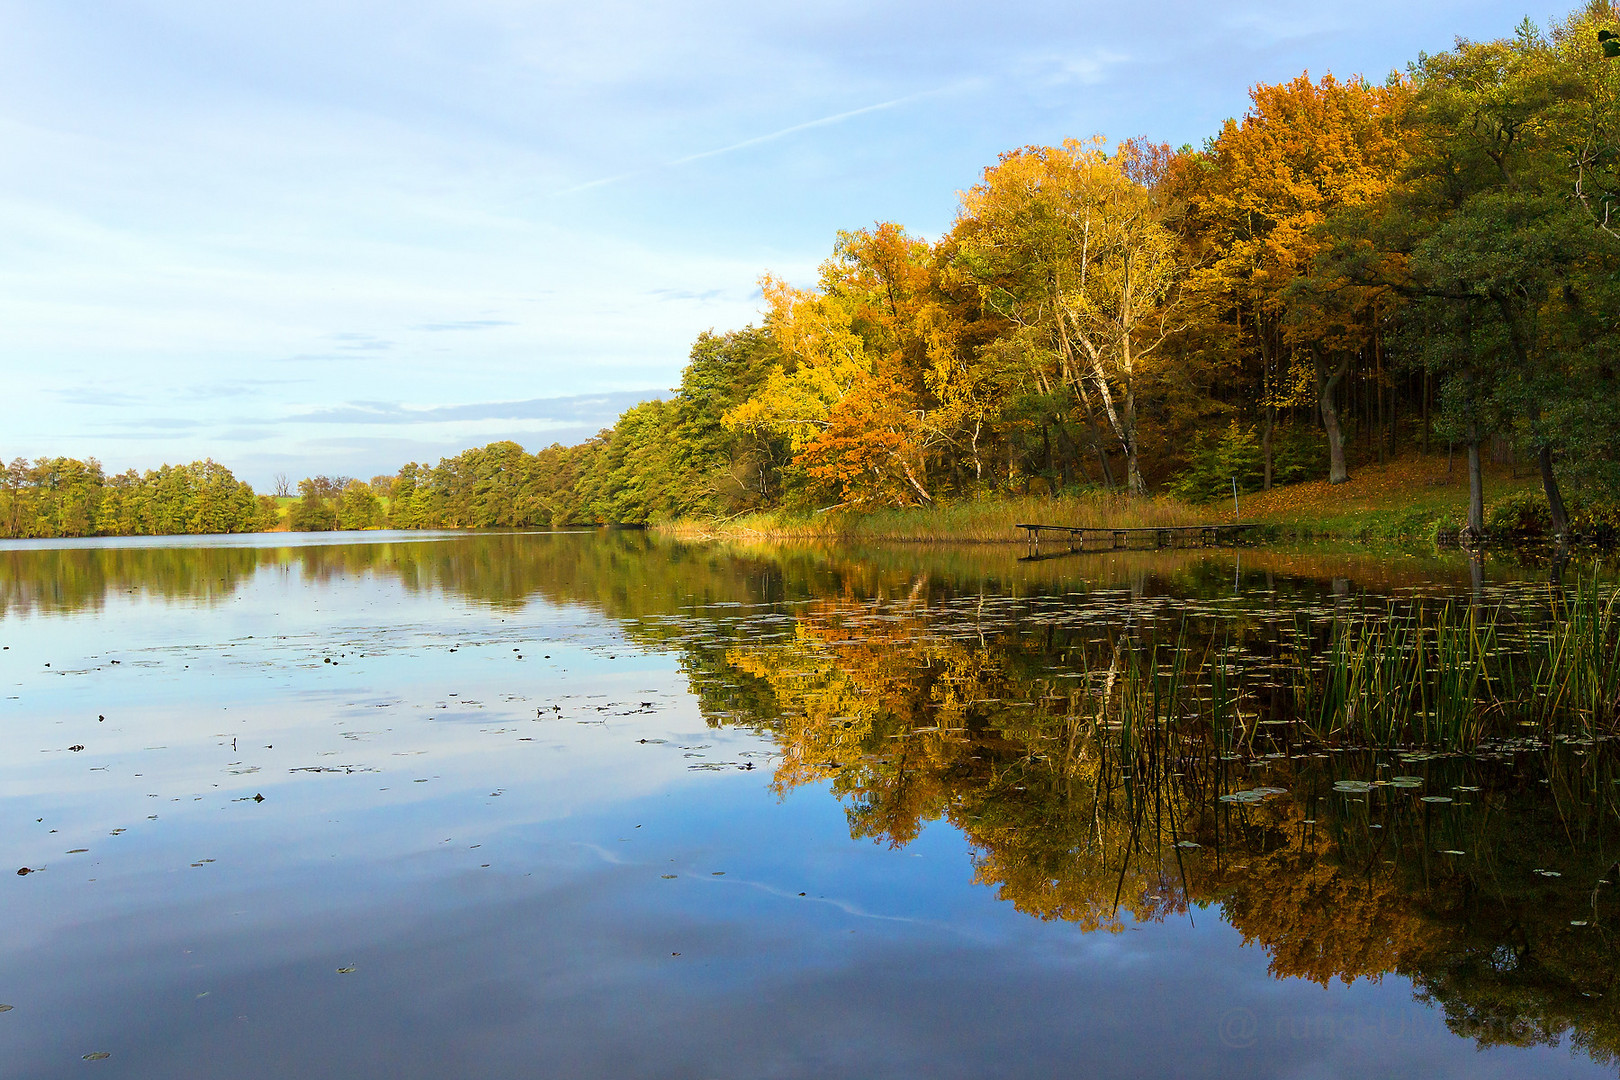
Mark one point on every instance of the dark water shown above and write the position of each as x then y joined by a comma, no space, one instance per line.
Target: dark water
600,806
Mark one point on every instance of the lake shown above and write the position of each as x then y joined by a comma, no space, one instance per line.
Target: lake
603,805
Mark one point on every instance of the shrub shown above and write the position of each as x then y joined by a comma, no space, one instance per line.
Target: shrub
1596,518
1523,513
1298,452
1213,462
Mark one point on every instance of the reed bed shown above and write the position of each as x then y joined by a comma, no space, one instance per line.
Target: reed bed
1447,676
985,520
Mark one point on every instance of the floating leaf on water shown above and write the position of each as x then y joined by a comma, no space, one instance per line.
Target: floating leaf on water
1437,798
1353,787
1577,922
668,877
1549,873
6,1008
1406,781
1465,787
1188,844
346,971
99,1055
1453,851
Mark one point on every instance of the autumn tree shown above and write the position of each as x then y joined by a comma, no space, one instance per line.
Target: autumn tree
1263,198
1068,248
840,396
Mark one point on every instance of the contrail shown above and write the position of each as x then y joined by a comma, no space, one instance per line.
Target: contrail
825,121
589,184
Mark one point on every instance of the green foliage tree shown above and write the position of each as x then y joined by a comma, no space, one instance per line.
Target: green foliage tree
58,497
358,507
314,511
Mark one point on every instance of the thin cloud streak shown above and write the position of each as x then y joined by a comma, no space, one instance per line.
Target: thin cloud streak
759,140
572,409
825,121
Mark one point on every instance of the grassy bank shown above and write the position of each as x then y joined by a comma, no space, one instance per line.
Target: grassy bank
985,520
1406,499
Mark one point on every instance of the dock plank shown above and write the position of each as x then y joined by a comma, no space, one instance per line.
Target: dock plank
1208,535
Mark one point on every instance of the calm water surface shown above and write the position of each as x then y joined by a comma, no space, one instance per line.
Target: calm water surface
527,805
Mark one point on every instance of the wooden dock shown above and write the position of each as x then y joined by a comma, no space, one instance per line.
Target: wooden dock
1120,539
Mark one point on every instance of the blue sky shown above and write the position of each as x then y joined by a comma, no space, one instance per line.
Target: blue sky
334,237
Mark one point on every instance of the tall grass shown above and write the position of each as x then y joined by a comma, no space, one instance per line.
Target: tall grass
984,520
1447,677
1461,674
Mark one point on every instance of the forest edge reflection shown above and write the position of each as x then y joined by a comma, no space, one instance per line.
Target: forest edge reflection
926,686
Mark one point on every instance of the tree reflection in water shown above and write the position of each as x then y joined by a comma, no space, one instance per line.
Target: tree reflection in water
968,688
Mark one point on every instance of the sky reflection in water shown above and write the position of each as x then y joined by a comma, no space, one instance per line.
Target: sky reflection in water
556,798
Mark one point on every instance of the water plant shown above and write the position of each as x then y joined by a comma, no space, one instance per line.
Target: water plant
1446,675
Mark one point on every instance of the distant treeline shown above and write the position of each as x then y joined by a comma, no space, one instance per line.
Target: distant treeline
53,497
662,459
1347,271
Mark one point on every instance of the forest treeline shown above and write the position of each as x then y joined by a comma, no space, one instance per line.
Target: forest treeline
53,497
1348,269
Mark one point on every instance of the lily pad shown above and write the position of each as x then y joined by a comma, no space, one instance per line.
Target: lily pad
99,1055
1353,787
346,971
1437,798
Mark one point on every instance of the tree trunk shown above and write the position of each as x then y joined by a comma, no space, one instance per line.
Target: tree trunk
1555,499
1092,430
1378,407
1326,383
1265,445
1110,411
1071,452
911,479
1476,486
1423,392
1133,467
